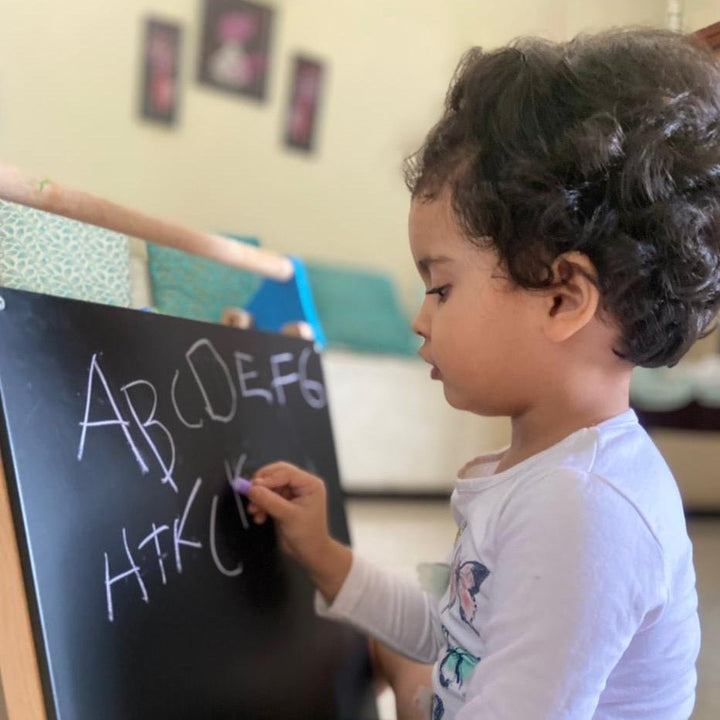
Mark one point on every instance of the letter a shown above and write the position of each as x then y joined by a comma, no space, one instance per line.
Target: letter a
118,420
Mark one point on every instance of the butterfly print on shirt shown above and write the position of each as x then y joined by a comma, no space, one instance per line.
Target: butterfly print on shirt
465,581
438,709
456,667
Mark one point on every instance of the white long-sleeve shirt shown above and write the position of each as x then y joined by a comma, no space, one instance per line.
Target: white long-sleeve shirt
572,592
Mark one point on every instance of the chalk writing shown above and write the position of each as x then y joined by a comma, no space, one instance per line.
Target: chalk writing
133,569
312,391
179,526
176,407
210,394
119,420
229,475
153,537
151,421
216,363
243,377
213,548
213,381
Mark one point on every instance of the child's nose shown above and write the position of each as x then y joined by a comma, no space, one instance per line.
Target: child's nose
419,324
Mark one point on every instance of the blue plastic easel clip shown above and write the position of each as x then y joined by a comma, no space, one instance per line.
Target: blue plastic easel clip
277,303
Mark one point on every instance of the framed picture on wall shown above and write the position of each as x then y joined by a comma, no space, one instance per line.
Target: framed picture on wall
301,117
235,46
160,71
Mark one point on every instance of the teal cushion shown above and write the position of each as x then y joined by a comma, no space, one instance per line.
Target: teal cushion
359,309
194,287
51,254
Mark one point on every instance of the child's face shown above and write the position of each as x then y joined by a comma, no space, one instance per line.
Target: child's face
482,334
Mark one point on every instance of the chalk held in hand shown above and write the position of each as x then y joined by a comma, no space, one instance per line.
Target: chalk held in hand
240,485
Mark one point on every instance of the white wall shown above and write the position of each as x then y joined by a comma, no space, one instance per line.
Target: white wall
69,86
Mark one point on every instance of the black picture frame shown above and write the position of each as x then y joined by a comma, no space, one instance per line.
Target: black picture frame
160,87
304,101
235,47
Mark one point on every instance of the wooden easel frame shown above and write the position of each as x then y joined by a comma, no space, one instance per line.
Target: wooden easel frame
43,194
19,668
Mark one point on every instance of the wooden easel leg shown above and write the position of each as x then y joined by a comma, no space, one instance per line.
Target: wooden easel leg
18,663
237,317
299,329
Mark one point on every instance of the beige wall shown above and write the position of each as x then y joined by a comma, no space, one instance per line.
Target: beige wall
481,22
700,13
69,92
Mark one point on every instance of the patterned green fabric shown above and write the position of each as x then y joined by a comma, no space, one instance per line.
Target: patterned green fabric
50,254
194,287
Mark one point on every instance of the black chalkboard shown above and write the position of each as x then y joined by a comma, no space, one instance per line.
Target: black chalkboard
151,596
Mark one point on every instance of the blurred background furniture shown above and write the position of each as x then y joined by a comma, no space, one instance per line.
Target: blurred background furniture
680,408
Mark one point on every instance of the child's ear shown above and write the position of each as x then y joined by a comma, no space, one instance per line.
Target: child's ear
573,299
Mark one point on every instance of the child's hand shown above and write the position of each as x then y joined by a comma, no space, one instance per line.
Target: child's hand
296,500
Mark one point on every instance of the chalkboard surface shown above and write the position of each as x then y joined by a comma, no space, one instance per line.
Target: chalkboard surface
151,595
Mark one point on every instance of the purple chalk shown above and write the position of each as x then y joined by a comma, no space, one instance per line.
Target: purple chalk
241,485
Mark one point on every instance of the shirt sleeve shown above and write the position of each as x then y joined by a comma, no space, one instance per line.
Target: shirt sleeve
394,610
576,574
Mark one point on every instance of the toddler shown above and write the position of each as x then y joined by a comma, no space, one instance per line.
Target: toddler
565,220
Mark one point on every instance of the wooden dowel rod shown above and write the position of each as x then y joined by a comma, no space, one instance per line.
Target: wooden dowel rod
77,205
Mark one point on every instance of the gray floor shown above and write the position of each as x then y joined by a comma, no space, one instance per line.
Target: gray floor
706,540
398,535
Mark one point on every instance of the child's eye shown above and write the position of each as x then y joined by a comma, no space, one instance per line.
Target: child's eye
441,291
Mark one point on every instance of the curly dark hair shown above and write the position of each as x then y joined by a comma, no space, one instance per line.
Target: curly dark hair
608,145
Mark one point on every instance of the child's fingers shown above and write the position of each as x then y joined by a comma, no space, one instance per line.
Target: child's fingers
276,468
274,489
270,502
258,515
281,470
286,479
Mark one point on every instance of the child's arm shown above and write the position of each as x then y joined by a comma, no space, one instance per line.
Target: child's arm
295,499
393,609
